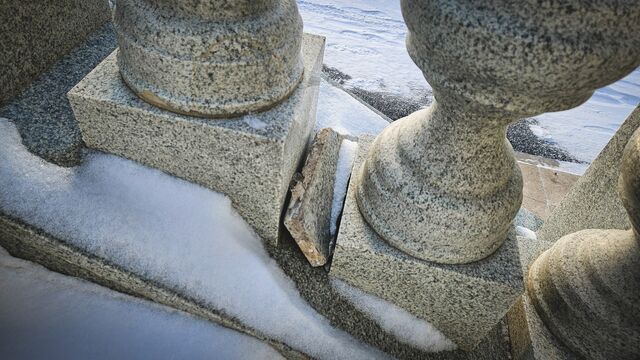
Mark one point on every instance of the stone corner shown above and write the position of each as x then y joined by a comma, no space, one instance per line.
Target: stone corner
463,301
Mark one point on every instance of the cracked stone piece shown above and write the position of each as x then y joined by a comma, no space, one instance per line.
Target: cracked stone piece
215,58
308,217
463,301
586,287
250,159
442,184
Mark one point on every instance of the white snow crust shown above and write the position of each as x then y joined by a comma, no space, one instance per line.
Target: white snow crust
404,326
346,157
46,315
346,115
170,231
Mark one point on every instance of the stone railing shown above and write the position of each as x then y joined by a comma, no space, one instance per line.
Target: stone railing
442,184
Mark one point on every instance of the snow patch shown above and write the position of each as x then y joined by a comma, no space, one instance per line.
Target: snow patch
527,233
254,122
395,320
346,115
46,315
346,157
170,231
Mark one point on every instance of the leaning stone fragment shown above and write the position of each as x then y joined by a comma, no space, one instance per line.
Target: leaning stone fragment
308,217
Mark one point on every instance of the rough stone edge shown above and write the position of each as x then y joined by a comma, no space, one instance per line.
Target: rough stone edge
322,157
26,242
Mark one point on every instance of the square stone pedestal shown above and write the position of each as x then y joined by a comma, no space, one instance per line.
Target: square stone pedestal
463,301
251,159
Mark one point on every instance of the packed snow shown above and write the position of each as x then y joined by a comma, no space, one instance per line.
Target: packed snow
395,320
346,157
366,40
170,231
525,232
46,315
346,115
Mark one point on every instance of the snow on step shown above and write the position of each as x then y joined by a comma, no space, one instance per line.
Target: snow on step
169,231
395,320
46,315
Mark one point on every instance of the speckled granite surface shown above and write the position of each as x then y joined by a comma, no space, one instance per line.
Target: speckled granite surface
463,301
42,112
215,58
34,34
251,159
529,337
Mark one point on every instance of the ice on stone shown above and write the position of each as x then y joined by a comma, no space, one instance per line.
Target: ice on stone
346,157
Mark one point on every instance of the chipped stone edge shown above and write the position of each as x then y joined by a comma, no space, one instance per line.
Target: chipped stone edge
295,215
29,243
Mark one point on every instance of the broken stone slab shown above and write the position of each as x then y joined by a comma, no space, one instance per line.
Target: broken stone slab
251,159
309,215
463,301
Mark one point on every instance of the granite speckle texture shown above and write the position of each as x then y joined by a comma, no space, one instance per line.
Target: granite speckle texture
527,219
442,184
250,159
593,202
214,58
308,216
586,287
462,301
42,112
436,195
543,345
34,34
